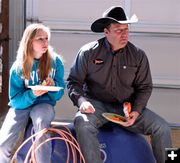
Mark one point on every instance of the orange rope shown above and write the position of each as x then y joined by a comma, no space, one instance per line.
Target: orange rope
71,145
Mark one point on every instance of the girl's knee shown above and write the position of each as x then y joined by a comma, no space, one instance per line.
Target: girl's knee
41,124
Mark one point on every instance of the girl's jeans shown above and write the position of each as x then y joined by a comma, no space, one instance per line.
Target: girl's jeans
16,121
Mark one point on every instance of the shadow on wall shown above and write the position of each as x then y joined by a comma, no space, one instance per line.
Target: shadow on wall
65,110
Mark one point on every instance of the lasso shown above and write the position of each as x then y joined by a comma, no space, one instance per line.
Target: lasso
71,144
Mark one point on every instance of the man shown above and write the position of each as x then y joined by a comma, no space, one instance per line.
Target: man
107,73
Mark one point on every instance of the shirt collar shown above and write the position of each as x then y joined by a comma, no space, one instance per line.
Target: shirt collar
108,46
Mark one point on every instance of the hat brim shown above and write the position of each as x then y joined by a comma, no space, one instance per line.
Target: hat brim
100,24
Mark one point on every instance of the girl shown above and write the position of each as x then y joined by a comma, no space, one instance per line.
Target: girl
36,64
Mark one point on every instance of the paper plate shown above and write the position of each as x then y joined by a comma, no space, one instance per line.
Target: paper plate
116,118
45,88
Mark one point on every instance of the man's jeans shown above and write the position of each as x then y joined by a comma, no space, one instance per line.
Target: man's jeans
16,121
148,123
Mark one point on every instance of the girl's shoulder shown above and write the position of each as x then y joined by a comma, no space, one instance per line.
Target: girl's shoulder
16,67
57,59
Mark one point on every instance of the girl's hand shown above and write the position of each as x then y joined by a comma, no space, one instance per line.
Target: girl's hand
49,82
39,92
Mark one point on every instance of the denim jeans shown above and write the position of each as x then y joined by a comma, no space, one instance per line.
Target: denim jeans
16,121
148,123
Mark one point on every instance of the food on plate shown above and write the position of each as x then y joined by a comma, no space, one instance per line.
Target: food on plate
118,119
44,83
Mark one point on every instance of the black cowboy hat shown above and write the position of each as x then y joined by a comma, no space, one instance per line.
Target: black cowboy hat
112,15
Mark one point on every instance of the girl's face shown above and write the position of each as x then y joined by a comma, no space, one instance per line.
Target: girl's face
40,44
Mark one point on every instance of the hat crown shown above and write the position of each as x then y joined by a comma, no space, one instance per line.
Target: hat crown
115,13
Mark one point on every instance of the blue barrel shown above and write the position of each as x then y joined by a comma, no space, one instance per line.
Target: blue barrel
117,146
121,146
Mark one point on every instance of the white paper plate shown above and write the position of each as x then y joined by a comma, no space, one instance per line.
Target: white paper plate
116,118
45,88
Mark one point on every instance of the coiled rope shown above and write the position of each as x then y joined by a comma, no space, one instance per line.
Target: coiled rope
66,136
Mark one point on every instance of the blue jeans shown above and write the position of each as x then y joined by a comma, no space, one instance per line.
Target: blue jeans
148,123
16,121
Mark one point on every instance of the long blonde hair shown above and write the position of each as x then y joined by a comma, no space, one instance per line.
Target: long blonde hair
25,52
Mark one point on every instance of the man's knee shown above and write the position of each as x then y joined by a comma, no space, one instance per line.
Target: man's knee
163,128
84,128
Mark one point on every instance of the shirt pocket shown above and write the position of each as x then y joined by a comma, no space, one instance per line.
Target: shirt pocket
100,74
127,74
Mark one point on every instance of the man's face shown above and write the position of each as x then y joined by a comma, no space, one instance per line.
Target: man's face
117,35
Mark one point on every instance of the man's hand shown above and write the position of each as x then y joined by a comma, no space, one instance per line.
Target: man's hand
132,118
86,107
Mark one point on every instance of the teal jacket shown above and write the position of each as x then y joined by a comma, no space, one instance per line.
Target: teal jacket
21,97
